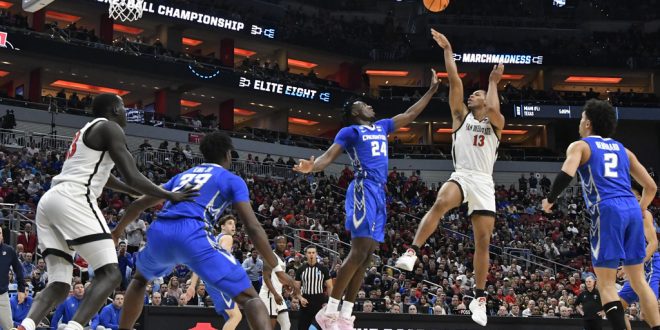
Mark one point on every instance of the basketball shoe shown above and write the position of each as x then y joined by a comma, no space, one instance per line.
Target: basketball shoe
407,260
327,321
478,309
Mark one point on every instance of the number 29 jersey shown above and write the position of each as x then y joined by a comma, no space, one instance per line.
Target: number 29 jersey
606,174
217,188
474,145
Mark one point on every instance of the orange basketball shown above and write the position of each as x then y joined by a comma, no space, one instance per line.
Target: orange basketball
436,5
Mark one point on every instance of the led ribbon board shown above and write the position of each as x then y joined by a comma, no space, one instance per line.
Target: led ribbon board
498,58
284,89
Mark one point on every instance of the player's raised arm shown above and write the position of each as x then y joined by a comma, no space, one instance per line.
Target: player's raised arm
411,114
319,164
575,154
493,100
640,175
458,108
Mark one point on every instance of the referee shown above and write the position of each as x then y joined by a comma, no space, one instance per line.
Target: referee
589,305
311,277
8,257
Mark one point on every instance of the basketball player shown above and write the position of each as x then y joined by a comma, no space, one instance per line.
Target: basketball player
365,141
617,225
224,305
271,289
651,261
69,220
477,132
182,234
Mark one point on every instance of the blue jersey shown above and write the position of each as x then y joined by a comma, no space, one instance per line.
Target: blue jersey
367,148
606,174
218,188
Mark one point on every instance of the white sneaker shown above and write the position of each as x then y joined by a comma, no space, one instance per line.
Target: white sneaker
407,260
478,309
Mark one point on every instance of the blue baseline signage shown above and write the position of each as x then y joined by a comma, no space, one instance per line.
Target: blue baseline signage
202,18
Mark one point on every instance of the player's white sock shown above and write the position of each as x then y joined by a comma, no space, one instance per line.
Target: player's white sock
283,320
73,325
346,309
333,306
28,324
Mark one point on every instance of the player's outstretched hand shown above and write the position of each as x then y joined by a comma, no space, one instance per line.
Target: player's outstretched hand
547,206
440,39
435,82
304,166
288,283
184,195
496,74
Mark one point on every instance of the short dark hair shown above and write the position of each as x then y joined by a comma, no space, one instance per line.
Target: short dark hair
214,146
310,247
347,113
226,218
602,117
104,104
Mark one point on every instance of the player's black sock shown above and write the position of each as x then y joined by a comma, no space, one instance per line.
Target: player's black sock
479,293
416,248
615,314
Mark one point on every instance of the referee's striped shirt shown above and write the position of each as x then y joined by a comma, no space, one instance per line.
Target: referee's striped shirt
312,278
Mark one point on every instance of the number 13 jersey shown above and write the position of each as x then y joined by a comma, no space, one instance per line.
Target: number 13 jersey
474,145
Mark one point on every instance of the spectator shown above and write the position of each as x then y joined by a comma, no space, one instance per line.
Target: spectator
126,264
156,299
254,267
199,298
65,311
135,235
8,258
28,266
109,315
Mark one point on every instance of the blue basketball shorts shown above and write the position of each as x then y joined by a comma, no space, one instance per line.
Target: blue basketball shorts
652,270
186,241
617,233
366,209
221,302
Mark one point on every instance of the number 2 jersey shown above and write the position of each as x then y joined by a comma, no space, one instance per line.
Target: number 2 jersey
217,187
606,174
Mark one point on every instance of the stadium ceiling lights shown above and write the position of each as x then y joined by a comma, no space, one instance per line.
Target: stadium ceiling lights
593,80
300,121
243,112
126,29
403,129
243,52
64,17
445,74
504,132
301,64
189,104
387,73
3,73
191,42
87,88
5,5
513,76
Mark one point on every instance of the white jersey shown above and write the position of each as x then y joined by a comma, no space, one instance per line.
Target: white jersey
474,146
273,278
86,166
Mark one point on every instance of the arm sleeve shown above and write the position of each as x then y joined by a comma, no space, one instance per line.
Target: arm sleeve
239,190
388,125
346,137
18,271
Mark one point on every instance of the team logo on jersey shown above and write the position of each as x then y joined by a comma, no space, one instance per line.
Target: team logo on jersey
225,299
595,233
359,212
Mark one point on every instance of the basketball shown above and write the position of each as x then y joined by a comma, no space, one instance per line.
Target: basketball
436,5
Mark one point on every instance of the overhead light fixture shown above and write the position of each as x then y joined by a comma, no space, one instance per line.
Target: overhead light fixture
593,80
301,64
513,76
504,132
300,121
446,75
403,129
191,42
64,17
243,112
5,5
189,104
387,73
126,29
243,52
3,73
87,88
5,62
